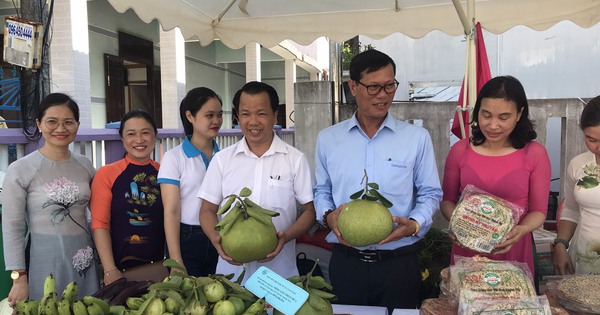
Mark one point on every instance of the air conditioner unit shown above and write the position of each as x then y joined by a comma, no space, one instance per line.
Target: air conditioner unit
23,42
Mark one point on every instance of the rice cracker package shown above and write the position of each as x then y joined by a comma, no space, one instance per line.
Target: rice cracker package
482,220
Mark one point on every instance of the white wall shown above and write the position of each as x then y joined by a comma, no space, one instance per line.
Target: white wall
561,62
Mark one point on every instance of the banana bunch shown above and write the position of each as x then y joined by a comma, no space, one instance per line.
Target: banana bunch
65,304
318,294
188,295
247,231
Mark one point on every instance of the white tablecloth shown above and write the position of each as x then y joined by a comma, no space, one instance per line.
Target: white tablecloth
359,310
405,312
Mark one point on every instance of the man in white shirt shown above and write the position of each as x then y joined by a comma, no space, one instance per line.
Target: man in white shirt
278,175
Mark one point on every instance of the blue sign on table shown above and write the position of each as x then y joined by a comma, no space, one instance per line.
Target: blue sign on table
283,295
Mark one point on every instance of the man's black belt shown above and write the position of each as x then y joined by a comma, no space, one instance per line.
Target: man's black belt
372,256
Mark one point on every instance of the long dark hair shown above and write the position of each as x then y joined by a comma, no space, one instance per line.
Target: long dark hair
193,102
510,89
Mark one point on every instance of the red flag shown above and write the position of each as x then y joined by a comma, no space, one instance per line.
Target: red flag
483,75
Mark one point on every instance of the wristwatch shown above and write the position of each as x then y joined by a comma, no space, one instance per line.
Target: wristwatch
17,274
561,241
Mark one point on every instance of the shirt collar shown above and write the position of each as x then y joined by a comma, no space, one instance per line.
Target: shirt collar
277,146
388,122
191,151
136,162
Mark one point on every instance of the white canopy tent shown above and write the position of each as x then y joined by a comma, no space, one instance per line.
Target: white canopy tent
268,22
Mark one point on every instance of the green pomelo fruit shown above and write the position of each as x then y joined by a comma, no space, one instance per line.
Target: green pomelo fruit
364,222
249,240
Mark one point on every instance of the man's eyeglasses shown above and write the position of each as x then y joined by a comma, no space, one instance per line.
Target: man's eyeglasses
374,89
52,124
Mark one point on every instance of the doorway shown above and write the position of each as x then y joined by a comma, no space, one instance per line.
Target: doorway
132,81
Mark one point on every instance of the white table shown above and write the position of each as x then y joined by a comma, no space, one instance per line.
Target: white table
359,310
405,312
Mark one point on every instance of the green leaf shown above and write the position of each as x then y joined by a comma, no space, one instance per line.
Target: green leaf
245,192
226,205
357,194
171,263
386,203
371,198
372,193
373,185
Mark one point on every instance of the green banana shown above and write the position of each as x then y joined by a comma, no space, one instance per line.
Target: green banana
49,285
70,292
20,307
89,300
64,307
226,205
32,307
134,303
48,305
117,310
79,308
95,309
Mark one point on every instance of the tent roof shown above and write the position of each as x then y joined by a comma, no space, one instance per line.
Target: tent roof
269,22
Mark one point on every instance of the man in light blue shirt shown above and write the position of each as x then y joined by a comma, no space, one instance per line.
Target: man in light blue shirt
400,158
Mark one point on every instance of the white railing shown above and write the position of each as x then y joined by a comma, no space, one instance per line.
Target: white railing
104,146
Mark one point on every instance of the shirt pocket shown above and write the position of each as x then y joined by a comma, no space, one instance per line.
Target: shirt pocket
280,194
397,176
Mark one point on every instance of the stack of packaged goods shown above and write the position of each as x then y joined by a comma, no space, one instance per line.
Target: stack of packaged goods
482,286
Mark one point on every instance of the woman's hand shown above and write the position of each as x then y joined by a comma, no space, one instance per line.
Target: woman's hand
512,237
562,261
19,291
112,276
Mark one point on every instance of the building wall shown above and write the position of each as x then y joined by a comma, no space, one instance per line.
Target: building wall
215,66
560,62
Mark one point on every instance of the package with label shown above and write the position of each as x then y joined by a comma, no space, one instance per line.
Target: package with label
482,220
482,279
577,293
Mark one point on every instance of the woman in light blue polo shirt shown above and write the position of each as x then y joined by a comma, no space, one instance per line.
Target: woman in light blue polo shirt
181,173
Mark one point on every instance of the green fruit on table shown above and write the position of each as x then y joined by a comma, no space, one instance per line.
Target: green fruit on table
238,304
249,239
224,307
214,291
364,222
